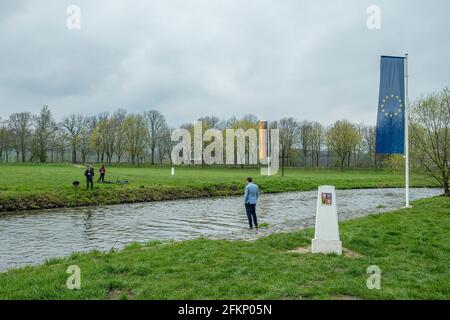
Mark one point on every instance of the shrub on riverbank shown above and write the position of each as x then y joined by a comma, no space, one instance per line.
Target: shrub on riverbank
411,247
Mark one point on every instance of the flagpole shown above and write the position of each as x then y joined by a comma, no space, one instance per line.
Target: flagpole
406,134
269,150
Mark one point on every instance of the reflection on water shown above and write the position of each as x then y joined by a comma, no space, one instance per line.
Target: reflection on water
32,237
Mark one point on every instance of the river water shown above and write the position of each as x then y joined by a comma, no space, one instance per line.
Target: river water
32,237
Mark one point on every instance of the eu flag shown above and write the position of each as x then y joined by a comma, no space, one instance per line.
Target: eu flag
391,106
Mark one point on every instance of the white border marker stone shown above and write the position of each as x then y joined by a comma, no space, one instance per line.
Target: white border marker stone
326,238
172,171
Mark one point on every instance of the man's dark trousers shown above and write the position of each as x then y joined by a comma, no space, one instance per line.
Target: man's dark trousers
90,181
251,215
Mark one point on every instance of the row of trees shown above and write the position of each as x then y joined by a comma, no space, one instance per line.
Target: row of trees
137,138
347,143
77,138
146,137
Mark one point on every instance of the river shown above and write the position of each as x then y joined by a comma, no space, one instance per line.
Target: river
32,237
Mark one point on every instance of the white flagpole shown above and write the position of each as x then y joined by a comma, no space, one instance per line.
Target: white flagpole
406,134
269,149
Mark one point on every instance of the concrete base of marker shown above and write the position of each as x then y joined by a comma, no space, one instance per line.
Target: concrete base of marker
326,246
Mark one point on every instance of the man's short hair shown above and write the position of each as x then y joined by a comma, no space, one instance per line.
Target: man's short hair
250,179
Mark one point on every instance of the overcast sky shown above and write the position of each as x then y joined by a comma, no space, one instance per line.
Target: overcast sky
313,60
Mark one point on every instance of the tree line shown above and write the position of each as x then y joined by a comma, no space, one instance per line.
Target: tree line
146,138
105,137
139,138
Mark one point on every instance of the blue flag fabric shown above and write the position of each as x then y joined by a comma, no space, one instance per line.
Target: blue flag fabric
391,107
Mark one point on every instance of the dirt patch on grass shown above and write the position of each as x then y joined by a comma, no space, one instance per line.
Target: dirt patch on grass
301,250
351,254
118,294
345,252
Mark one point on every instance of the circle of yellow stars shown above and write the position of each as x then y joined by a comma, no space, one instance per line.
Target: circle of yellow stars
396,110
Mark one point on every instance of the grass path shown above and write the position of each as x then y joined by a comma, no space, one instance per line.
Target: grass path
412,248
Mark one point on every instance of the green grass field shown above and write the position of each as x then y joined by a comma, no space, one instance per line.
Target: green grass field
36,186
411,247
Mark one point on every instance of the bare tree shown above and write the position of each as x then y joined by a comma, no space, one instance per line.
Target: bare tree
430,133
60,143
109,137
164,145
156,124
369,141
20,124
210,122
289,134
84,146
45,128
328,146
358,151
74,125
305,129
317,137
136,136
247,122
5,141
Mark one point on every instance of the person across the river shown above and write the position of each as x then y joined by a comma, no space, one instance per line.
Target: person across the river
102,172
89,174
250,199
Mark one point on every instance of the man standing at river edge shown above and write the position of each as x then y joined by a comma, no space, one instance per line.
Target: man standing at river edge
250,199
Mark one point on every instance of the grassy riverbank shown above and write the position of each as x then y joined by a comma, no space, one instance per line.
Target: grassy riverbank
412,248
41,186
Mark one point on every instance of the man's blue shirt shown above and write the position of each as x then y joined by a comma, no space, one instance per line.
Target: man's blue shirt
251,193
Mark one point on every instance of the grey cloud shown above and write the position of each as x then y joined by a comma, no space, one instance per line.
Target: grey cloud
307,59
